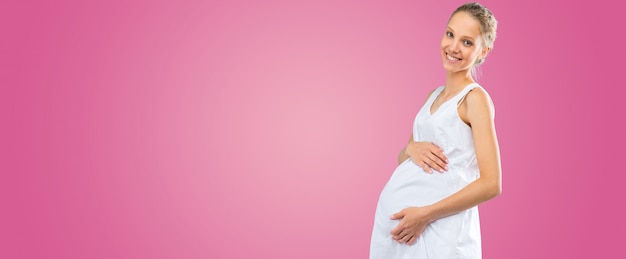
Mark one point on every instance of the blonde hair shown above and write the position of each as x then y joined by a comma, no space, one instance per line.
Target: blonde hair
488,24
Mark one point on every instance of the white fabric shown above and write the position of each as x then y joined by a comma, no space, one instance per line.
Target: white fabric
456,236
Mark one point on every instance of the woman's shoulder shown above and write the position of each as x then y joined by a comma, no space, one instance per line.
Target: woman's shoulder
478,93
478,96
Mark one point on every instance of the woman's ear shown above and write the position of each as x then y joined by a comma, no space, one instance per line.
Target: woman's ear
481,57
484,52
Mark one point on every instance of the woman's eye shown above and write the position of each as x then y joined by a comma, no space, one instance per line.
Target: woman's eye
449,34
467,43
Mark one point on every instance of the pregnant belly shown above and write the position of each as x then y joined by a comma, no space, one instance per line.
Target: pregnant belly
410,186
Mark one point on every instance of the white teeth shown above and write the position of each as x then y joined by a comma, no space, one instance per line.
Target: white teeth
451,58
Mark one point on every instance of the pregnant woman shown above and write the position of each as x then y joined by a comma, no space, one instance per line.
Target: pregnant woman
428,208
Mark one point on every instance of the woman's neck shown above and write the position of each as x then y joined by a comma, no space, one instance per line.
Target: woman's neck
456,81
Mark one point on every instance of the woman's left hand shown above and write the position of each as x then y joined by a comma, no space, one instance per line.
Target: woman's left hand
413,221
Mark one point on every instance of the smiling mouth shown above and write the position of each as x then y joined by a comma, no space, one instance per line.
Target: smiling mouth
451,58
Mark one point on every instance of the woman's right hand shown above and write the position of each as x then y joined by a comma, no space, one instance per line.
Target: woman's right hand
427,155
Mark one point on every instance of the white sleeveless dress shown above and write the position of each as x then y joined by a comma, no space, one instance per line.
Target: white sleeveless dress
455,236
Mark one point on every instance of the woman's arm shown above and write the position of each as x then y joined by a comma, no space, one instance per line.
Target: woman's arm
479,114
403,156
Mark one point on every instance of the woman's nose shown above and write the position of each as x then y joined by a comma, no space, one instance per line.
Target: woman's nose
454,46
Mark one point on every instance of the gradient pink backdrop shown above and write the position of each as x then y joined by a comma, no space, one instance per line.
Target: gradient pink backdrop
266,129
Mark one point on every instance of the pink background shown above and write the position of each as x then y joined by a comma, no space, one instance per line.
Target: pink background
266,129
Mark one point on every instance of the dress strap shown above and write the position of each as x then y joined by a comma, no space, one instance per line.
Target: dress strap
461,96
434,95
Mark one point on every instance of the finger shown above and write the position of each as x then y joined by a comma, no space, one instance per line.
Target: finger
412,240
425,166
396,233
436,163
436,150
441,156
398,215
399,235
406,239
398,229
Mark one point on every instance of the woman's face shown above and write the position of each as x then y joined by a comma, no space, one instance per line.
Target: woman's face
461,45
